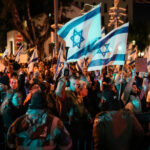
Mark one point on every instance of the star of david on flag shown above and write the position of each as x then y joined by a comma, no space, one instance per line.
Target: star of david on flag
77,38
104,50
81,33
115,49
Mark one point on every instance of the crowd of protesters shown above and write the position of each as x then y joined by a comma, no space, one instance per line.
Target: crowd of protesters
80,110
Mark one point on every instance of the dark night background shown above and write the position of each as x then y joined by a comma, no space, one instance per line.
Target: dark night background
138,31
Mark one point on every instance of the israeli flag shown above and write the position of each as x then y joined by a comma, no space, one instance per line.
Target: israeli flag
111,49
33,60
132,56
81,64
60,62
6,53
81,33
94,54
19,52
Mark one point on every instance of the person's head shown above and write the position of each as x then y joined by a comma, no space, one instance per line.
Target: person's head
17,99
85,71
74,83
14,81
36,74
10,68
83,88
134,88
107,83
38,100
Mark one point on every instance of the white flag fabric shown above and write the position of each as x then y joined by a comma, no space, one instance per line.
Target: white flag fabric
6,53
33,60
111,49
81,33
60,62
19,52
94,56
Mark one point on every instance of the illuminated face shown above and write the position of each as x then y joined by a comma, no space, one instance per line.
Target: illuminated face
73,84
84,72
14,83
78,86
17,99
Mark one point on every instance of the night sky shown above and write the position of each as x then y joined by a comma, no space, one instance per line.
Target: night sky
141,12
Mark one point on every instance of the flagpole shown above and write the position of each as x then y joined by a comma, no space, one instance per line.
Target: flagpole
56,26
119,96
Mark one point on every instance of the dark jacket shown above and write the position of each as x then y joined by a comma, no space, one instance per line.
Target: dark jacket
9,115
117,130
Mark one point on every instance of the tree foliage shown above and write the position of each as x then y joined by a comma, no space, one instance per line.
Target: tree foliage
14,13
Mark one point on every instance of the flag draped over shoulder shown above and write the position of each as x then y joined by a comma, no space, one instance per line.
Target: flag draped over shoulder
111,49
33,60
19,52
81,33
60,62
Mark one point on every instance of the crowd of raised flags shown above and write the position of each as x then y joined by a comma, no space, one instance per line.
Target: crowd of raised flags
84,37
87,41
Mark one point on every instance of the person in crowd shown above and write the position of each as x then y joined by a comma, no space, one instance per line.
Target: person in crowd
4,85
109,99
134,103
94,95
72,110
10,110
117,130
38,129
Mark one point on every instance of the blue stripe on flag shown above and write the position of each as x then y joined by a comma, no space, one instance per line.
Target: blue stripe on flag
101,62
83,51
20,48
132,62
132,52
63,33
102,42
34,59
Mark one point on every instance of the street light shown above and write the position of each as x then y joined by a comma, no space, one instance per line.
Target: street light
115,14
